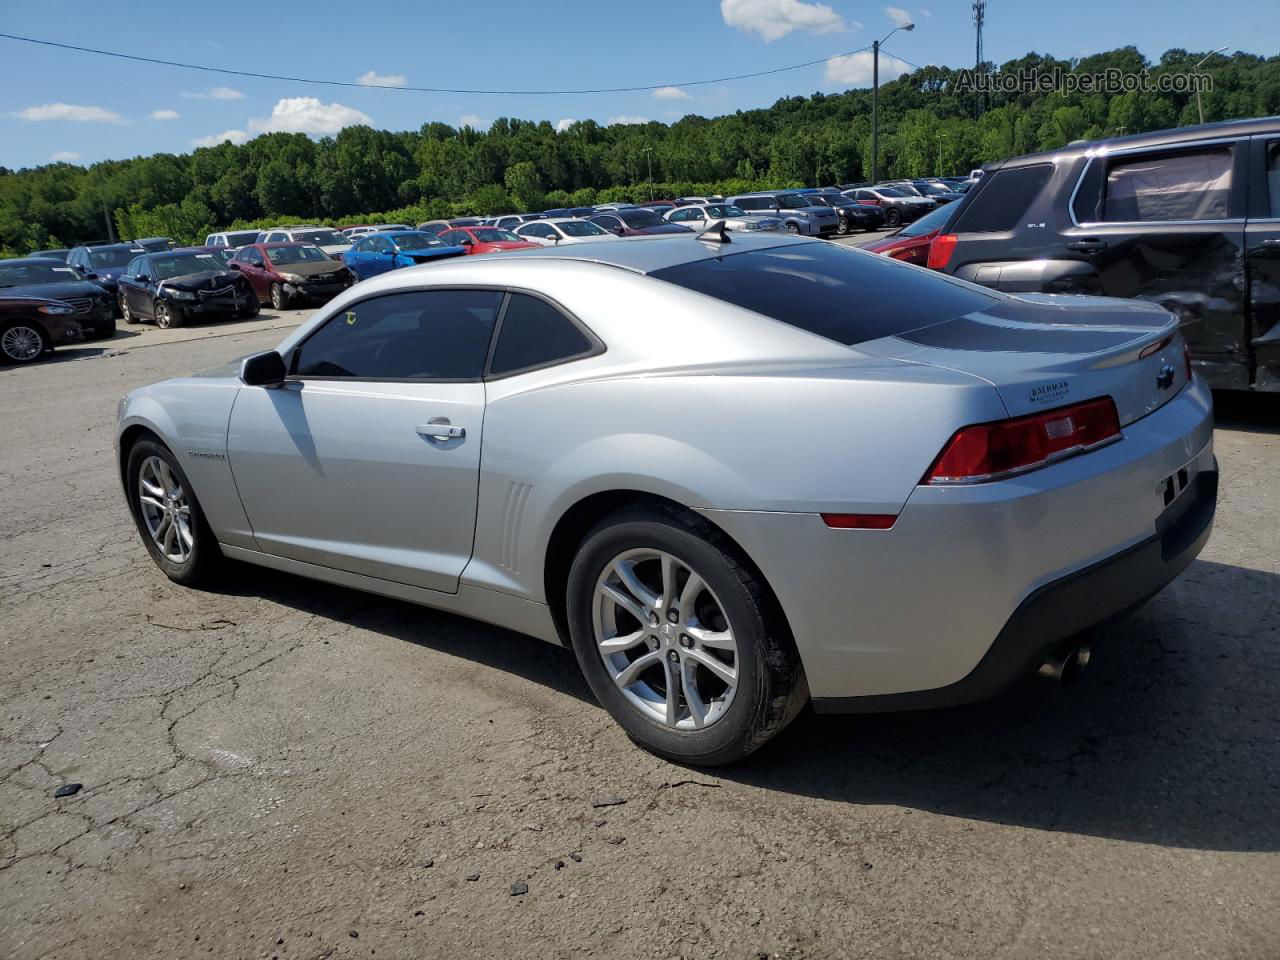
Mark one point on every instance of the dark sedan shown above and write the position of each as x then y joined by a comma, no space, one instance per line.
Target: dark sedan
853,216
56,280
31,326
173,288
103,263
636,222
59,253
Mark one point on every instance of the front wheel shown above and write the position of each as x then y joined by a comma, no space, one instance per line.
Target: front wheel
168,516
892,218
279,299
22,342
843,228
250,309
678,639
793,228
167,316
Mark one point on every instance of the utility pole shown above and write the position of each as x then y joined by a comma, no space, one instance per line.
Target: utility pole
1199,105
648,152
979,18
940,138
875,99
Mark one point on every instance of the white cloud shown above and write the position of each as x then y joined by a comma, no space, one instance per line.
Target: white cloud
854,69
925,14
773,19
625,118
308,115
471,120
216,93
899,16
69,111
372,79
164,114
235,136
64,156
565,124
671,93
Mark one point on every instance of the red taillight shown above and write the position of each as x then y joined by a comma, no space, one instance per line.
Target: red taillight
940,250
859,521
991,451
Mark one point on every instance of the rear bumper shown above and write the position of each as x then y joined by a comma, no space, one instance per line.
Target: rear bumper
1094,595
918,607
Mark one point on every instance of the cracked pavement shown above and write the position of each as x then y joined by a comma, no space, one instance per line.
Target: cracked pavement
285,769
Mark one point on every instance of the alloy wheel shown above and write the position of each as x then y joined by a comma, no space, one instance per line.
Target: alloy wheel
124,310
277,297
163,318
21,343
665,639
165,510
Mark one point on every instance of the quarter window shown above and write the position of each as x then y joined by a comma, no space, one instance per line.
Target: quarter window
418,335
1002,203
534,334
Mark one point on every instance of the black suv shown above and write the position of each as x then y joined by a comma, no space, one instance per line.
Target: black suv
1187,218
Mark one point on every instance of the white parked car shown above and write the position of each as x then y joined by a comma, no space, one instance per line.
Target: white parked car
232,239
326,238
562,230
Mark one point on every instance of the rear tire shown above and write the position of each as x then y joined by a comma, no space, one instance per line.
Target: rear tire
892,218
715,716
126,313
190,562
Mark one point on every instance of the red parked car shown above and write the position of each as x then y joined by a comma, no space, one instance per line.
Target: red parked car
913,243
285,273
484,239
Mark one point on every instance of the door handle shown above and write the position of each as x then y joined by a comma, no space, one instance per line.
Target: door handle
1089,245
439,428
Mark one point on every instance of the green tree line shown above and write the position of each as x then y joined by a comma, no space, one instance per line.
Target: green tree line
927,127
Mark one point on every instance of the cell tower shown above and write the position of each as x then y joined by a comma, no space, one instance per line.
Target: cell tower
979,17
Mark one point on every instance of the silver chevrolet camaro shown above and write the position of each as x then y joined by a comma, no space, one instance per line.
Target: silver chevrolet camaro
735,473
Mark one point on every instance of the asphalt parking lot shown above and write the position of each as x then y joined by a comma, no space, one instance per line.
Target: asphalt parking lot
284,769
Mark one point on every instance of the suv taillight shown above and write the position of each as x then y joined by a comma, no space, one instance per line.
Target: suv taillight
944,244
993,451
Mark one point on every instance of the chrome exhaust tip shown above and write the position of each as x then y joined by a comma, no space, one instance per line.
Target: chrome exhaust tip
1067,666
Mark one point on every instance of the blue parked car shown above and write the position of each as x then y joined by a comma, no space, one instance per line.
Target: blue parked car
377,253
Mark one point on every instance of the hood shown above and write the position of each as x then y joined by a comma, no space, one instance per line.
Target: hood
55,289
16,302
335,248
427,254
508,245
203,280
310,268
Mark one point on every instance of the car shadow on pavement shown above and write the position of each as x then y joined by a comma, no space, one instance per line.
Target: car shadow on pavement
1170,737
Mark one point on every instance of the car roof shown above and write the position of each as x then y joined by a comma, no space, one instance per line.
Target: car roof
1225,129
99,247
283,243
647,254
50,260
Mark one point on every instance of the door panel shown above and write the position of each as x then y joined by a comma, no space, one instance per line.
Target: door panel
1262,261
337,473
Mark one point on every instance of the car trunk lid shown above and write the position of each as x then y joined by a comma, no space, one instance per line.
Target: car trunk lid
1042,351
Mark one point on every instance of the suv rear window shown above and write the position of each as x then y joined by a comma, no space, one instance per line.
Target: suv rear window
1003,201
826,289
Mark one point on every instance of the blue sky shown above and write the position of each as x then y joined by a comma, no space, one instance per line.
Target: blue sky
80,107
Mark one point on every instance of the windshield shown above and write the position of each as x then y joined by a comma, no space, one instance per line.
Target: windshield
494,235
908,191
580,228
296,254
934,188
792,200
889,192
817,201
717,210
930,222
329,237
118,257
167,267
16,273
639,218
416,240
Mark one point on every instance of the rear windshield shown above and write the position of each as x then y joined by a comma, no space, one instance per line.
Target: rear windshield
638,218
827,289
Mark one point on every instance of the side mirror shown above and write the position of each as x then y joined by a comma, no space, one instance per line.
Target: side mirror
263,370
233,265
91,276
467,243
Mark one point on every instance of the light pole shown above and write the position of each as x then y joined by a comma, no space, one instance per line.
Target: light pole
875,99
1199,105
648,152
940,139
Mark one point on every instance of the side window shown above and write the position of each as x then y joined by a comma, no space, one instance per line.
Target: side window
676,216
1187,185
134,269
1273,176
696,213
360,246
379,245
418,335
534,334
254,256
454,237
1002,203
